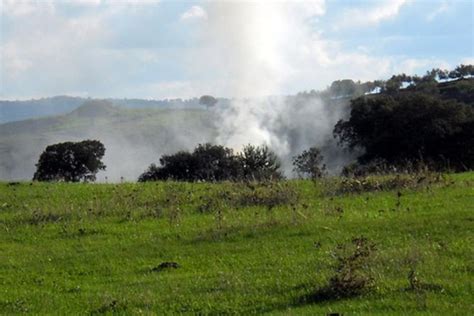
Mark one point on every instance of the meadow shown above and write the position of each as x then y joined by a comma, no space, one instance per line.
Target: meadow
403,242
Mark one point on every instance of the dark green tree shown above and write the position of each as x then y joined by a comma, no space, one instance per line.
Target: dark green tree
309,163
216,163
409,127
208,100
70,161
207,162
259,163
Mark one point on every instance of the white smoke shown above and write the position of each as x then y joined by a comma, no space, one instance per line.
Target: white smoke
256,48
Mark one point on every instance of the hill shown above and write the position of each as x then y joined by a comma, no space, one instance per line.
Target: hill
198,248
59,105
133,138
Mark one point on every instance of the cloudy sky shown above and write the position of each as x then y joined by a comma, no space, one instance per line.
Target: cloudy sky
168,49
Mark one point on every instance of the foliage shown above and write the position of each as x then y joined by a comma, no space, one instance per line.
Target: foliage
208,100
411,181
259,163
216,163
70,161
352,272
410,127
309,163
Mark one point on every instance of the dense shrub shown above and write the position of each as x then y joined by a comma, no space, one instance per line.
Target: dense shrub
309,163
259,163
352,273
216,163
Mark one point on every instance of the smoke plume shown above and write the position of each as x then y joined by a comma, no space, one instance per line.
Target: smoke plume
256,48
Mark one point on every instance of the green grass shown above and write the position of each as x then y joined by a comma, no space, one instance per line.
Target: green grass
91,248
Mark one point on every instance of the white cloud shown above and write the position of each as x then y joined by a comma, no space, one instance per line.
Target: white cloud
195,12
30,7
246,49
386,10
443,7
17,8
467,61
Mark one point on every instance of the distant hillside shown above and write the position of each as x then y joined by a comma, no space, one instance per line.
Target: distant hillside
133,138
20,110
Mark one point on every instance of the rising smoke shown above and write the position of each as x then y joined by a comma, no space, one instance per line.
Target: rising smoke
256,48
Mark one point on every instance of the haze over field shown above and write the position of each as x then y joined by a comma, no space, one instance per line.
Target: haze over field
254,53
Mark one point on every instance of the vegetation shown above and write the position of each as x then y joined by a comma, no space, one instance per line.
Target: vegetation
70,162
216,163
396,244
424,123
309,163
208,101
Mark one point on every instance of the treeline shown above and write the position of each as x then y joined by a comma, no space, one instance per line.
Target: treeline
427,123
412,122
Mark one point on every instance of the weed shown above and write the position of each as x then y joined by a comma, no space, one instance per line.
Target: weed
164,266
415,284
270,195
17,306
39,217
352,272
110,306
387,183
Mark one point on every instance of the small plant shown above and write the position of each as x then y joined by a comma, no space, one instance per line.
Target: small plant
352,271
415,283
110,306
387,183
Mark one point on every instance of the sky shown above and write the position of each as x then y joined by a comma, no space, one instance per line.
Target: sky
157,49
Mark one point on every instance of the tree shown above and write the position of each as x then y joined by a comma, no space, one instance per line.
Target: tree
206,163
153,173
309,163
259,163
409,127
208,101
216,163
461,72
70,161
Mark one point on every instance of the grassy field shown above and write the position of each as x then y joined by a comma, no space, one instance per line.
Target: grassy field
244,249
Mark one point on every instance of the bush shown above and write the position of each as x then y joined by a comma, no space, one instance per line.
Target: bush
309,164
259,163
352,272
216,163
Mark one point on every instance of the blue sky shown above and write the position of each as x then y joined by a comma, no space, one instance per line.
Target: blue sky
168,49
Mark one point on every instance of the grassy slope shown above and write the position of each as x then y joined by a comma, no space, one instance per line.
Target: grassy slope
69,248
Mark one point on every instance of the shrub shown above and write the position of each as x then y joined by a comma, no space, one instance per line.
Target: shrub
309,163
216,163
352,272
259,163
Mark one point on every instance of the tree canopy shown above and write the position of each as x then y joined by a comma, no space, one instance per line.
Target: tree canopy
70,161
309,163
208,100
410,126
210,162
